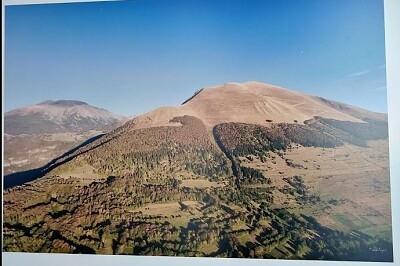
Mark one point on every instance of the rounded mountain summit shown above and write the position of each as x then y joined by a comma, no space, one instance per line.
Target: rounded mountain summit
254,103
57,117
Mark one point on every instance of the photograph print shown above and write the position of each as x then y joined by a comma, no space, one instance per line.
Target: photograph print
225,129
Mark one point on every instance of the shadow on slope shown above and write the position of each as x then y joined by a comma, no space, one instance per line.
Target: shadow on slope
23,177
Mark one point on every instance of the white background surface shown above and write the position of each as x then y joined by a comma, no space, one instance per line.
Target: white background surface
392,32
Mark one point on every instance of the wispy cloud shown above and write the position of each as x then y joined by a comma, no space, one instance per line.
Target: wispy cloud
383,88
357,74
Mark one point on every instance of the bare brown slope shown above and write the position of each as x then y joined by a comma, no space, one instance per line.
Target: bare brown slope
254,103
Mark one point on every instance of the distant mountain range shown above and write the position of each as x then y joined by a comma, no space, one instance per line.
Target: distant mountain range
238,170
36,134
57,117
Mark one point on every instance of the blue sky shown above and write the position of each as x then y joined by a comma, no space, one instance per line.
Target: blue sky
131,57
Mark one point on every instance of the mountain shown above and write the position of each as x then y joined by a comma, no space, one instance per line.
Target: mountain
237,170
255,103
57,117
36,134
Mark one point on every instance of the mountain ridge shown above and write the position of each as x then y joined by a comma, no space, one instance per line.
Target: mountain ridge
36,134
63,102
256,103
57,117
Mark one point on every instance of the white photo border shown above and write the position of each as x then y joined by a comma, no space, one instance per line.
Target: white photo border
392,50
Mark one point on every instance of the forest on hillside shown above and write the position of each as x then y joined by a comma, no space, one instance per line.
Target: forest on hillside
185,191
